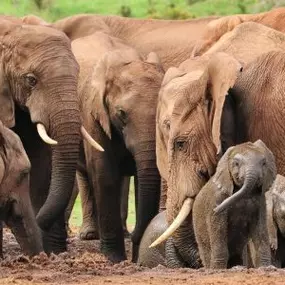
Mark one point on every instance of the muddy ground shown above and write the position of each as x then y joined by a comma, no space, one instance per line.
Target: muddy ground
83,264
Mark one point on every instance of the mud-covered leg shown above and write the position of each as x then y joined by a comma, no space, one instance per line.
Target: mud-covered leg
260,239
219,241
172,256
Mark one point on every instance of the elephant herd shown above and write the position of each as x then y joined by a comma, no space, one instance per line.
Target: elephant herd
192,109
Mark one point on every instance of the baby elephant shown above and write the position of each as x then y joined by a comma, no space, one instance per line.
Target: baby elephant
230,210
15,204
275,202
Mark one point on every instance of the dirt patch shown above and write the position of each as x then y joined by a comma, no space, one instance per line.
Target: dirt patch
83,264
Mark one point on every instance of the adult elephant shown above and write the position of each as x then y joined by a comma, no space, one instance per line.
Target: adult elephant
38,81
196,120
172,40
118,91
274,19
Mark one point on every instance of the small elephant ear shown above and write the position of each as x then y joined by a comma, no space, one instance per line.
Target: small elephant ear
271,166
223,72
222,178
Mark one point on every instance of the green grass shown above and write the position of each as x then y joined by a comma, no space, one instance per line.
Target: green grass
76,215
55,9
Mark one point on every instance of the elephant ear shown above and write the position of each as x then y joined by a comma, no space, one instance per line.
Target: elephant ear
222,179
102,81
270,162
223,71
7,109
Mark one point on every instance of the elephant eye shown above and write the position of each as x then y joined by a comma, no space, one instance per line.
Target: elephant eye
122,115
31,80
179,145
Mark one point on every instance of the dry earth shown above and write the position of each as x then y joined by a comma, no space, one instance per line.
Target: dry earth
84,265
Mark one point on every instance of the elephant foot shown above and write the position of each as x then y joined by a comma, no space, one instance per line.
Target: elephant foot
88,232
55,240
113,251
54,245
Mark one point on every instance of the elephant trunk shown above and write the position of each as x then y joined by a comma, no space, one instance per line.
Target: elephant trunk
148,191
250,181
64,127
23,224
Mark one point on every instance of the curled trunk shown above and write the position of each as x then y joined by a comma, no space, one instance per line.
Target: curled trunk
249,183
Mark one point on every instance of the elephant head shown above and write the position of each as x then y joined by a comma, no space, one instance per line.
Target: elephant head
193,132
15,204
243,169
39,73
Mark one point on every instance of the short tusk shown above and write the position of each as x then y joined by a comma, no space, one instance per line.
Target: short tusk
90,140
44,136
182,215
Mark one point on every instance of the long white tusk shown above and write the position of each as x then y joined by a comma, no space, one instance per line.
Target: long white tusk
182,215
44,136
90,140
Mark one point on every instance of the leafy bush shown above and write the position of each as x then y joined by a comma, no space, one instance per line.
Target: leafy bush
171,12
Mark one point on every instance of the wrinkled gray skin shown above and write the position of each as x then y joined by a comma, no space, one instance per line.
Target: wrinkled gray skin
15,203
275,201
230,210
165,253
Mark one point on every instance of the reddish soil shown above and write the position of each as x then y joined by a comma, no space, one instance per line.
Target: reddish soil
83,264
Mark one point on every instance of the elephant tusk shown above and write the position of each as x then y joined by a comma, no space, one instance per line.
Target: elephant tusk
182,215
44,136
90,140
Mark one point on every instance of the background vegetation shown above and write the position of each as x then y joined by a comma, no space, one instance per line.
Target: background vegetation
52,10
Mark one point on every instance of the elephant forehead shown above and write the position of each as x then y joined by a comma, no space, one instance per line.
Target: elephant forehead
247,151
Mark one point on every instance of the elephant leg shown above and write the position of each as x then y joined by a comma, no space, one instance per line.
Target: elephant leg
70,206
89,228
219,242
172,256
1,239
125,188
106,184
163,195
55,239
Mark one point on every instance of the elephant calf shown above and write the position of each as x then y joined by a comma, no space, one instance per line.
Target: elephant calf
230,209
275,202
15,204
